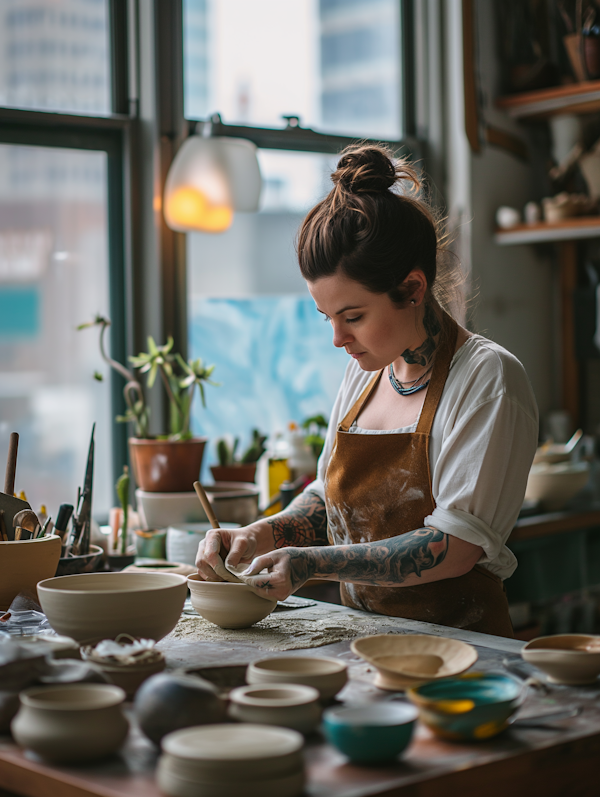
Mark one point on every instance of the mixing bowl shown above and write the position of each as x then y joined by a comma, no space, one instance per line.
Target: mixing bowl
369,734
95,606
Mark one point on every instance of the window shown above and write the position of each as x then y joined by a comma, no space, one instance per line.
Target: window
54,55
53,275
333,63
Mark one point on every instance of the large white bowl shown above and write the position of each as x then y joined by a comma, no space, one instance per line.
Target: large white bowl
555,484
183,540
95,606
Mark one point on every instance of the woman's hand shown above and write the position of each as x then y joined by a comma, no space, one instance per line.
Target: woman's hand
287,570
235,545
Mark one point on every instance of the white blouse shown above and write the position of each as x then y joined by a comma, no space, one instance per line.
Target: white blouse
483,439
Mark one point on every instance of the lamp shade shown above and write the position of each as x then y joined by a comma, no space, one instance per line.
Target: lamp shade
209,179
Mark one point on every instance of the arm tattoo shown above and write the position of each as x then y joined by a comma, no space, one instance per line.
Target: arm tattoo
424,353
385,563
302,523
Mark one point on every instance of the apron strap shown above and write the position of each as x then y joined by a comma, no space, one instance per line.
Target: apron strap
358,404
441,367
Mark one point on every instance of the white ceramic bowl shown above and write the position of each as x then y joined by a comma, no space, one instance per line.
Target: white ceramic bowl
328,676
233,502
228,605
560,659
555,484
183,540
95,606
286,705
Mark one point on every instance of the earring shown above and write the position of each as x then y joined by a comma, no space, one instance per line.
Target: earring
413,301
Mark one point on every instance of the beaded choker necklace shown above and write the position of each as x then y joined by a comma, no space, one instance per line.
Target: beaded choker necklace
415,386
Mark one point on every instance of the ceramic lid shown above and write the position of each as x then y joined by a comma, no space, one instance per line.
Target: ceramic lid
228,742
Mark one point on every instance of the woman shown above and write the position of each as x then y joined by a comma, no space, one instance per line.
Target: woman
431,437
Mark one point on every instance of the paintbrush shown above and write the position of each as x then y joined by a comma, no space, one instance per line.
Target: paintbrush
8,503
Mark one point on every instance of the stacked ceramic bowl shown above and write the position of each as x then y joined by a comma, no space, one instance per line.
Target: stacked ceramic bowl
229,760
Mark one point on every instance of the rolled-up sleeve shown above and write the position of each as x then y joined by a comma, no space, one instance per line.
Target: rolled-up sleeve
480,475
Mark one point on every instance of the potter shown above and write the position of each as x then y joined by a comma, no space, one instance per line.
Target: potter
432,434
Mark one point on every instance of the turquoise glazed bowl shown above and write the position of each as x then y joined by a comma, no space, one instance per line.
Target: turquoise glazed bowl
470,707
370,734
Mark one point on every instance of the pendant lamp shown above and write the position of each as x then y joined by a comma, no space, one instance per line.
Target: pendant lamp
211,178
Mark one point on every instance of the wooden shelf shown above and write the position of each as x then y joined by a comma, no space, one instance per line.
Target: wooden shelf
575,98
568,230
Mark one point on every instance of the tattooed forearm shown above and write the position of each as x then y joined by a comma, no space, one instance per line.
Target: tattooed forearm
424,353
386,563
302,523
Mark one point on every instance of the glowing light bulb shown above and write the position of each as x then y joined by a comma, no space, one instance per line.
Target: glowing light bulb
188,207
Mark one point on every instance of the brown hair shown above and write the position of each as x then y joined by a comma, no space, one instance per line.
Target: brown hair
370,231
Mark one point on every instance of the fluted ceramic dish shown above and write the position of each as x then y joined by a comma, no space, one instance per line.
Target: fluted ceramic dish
388,653
228,605
328,676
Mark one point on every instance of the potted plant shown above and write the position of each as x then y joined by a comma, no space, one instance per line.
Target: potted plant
166,463
232,469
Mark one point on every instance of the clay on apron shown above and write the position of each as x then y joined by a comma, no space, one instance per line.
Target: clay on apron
379,486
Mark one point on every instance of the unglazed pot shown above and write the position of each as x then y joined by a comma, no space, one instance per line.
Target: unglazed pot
95,606
166,466
228,605
71,723
286,705
327,676
24,563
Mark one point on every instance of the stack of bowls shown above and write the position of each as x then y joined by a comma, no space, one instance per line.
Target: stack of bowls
229,760
327,676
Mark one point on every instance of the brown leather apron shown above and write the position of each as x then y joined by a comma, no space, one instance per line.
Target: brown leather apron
378,486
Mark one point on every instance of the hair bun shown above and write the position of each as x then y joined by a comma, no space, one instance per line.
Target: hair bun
366,169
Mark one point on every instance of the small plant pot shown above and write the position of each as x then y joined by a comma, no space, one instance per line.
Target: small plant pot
166,466
234,473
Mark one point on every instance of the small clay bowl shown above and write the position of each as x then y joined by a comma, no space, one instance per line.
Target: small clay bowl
471,707
564,659
228,605
327,676
84,563
286,705
370,734
69,723
391,655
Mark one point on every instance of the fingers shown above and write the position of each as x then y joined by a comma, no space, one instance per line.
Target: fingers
267,577
208,555
242,548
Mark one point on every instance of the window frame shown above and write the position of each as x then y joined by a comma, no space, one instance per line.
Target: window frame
112,134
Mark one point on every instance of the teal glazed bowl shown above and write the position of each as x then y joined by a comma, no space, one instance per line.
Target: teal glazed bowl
370,734
470,707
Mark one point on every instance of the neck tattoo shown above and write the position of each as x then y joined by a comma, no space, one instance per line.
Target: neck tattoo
423,354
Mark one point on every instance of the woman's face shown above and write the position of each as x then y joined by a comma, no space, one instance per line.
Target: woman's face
369,326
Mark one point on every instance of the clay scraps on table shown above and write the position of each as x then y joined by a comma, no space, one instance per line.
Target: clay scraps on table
304,628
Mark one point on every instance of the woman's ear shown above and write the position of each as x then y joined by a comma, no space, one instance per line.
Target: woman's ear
414,287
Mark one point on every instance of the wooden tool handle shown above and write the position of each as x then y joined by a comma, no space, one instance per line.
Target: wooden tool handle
207,505
11,464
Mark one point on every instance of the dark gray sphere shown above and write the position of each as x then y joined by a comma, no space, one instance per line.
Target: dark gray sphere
169,701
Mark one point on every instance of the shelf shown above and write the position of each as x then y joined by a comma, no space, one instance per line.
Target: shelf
575,98
568,230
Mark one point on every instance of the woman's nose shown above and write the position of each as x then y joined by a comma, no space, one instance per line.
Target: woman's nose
341,337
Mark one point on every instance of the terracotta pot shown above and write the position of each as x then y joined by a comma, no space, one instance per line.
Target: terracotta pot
166,466
23,563
234,473
71,723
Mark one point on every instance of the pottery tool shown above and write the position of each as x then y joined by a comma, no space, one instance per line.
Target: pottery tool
62,521
79,539
46,529
219,568
3,532
8,503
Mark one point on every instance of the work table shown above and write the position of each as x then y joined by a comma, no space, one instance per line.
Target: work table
518,762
